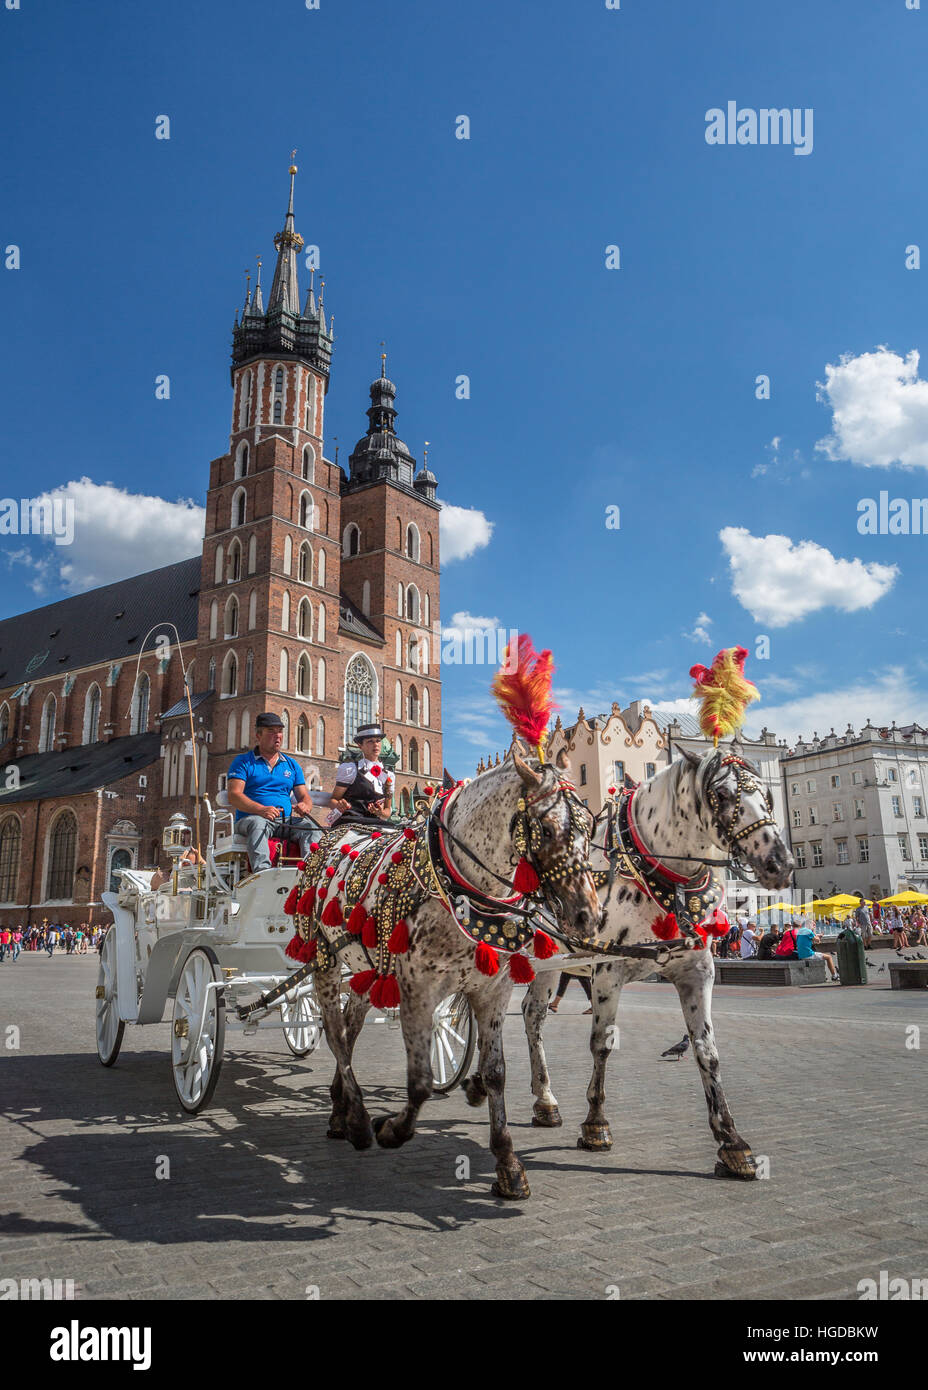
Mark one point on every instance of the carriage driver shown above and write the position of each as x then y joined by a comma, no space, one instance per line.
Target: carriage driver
363,788
259,787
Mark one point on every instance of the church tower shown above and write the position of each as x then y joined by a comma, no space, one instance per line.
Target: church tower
390,571
269,601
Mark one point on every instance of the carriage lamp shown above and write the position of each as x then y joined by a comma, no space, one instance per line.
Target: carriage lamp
177,837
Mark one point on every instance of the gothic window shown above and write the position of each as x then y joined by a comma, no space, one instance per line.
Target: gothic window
413,755
320,570
306,563
62,847
304,679
320,680
285,612
399,600
211,676
140,698
426,758
302,735
306,511
398,701
278,381
320,623
320,737
286,722
252,554
245,725
91,730
366,598
431,550
278,410
11,836
425,707
238,507
307,461
252,609
288,554
230,732
249,672
412,542
398,749
235,562
413,654
360,695
47,730
121,859
241,460
413,705
244,417
5,724
428,616
399,647
284,676
213,620
351,540
232,617
218,571
229,675
412,603
305,620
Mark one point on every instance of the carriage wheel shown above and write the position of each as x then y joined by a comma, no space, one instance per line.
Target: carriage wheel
110,1027
453,1037
196,1053
302,1024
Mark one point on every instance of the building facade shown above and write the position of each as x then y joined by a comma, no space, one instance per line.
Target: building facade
314,596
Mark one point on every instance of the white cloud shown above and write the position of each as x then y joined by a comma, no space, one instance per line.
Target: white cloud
117,534
879,410
891,695
779,581
700,631
462,531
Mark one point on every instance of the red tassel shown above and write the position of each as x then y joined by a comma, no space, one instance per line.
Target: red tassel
520,968
409,833
525,879
329,871
376,834
298,949
301,864
362,982
543,946
398,944
293,898
332,914
385,992
314,845
486,959
344,849
306,903
369,933
353,853
701,931
610,791
357,919
397,856
381,878
428,790
716,925
665,928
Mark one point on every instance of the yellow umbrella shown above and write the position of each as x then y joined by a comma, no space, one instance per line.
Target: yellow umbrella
779,907
906,899
838,900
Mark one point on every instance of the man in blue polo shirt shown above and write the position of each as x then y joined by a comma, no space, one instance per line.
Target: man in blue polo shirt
259,787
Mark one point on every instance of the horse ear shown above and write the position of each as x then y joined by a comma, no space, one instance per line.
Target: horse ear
692,758
529,776
562,761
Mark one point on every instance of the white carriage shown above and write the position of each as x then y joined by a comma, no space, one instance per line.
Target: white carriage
212,940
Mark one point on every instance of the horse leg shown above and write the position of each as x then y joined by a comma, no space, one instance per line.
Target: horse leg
356,1011
693,981
347,1100
416,1020
489,1002
545,1113
607,981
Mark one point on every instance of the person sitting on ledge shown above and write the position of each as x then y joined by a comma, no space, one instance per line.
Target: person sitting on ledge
259,787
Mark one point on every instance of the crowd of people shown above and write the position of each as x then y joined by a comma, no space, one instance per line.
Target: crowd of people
49,937
798,941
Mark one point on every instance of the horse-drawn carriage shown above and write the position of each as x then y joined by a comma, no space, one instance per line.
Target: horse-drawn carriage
212,940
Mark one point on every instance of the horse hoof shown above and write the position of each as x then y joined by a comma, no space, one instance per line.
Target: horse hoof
475,1093
511,1185
336,1133
546,1116
385,1134
360,1136
596,1138
736,1163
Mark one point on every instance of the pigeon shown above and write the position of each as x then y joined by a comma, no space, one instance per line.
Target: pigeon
871,965
881,969
921,957
678,1049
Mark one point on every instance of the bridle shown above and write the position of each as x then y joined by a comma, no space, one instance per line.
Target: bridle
747,783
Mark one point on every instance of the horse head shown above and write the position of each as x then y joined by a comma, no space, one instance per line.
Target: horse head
735,808
552,829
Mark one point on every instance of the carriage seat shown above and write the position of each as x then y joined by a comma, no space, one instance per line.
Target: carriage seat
227,845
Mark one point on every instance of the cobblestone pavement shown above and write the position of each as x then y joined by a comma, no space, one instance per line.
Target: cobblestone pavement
260,1204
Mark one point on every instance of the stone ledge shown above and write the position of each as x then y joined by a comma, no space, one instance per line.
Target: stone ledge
770,972
908,974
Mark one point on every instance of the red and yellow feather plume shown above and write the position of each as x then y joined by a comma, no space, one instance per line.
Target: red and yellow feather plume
723,693
523,691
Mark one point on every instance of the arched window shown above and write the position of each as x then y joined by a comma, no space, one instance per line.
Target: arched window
234,570
413,717
5,724
239,498
426,758
213,620
304,678
288,554
360,694
231,629
399,600
431,550
320,569
399,647
91,729
62,848
302,735
413,755
423,654
425,707
284,672
230,675
398,749
412,542
140,698
279,381
306,511
244,725
249,672
252,554
351,540
244,413
412,653
241,460
211,674
366,598
320,737
428,616
412,603
306,563
285,611
47,729
218,570
308,461
11,839
252,609
398,701
286,723
305,620
320,623
320,679
121,859
278,410
230,732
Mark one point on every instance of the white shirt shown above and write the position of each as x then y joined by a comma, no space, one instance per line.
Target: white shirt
748,946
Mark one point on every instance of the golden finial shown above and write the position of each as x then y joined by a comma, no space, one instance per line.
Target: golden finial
293,168
383,360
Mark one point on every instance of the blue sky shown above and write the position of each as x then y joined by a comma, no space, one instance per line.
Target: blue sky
590,387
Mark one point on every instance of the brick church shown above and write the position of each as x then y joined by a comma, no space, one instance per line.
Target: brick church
315,596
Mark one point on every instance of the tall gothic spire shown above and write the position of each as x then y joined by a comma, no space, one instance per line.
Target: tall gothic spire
285,290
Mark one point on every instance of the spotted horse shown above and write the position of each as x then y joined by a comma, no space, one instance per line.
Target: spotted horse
433,908
660,874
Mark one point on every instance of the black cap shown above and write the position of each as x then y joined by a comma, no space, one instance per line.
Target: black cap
368,731
269,721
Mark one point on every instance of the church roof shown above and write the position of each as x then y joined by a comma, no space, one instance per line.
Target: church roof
105,624
180,707
352,621
72,771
